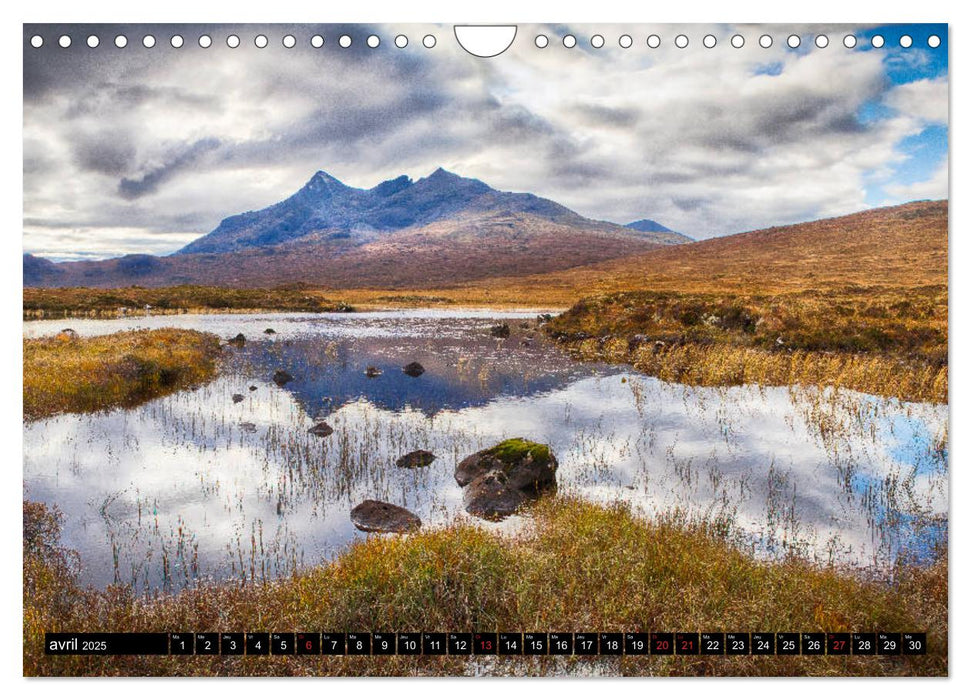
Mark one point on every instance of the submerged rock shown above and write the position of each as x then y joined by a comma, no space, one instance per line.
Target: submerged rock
503,478
281,377
378,516
239,340
321,429
270,331
413,369
500,331
418,458
372,372
248,427
253,387
237,398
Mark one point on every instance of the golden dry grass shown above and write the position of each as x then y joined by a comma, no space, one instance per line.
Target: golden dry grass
882,341
65,373
69,302
582,567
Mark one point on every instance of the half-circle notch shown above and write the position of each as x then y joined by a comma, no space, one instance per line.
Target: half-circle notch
485,40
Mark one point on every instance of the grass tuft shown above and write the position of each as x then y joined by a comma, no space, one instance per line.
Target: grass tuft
65,373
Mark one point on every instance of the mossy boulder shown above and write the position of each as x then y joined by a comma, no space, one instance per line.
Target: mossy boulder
499,480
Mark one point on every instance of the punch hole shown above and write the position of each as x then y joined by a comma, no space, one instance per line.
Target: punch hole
681,41
481,40
344,41
148,41
232,41
906,41
849,41
765,41
261,41
374,41
653,41
625,41
36,41
401,41
793,41
738,41
205,41
93,41
429,41
597,41
64,41
569,41
541,41
709,41
121,41
316,41
933,41
289,41
822,41
877,41
176,41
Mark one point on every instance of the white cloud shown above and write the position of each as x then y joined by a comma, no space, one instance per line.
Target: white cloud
934,187
925,99
706,141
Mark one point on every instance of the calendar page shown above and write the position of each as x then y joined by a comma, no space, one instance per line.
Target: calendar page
485,350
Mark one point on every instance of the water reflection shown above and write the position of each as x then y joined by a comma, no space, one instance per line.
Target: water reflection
179,488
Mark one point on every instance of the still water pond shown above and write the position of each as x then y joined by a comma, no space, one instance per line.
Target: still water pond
193,485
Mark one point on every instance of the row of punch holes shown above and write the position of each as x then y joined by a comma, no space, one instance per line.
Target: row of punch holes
541,41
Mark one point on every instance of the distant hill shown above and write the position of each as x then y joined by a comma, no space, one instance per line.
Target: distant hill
438,230
898,246
651,226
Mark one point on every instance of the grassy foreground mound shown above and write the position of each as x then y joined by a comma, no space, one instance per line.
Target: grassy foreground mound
580,567
65,373
886,341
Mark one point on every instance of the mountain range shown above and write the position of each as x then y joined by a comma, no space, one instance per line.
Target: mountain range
437,230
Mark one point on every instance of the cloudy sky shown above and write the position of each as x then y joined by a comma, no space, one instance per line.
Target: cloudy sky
141,149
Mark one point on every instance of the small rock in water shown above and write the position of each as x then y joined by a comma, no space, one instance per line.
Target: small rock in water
378,516
270,331
239,340
413,369
321,430
418,458
237,398
252,387
67,334
281,377
500,331
248,427
372,372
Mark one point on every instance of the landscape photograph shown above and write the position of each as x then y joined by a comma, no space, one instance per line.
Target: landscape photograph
338,332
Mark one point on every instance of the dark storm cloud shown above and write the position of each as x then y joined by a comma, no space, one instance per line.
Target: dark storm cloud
132,188
103,152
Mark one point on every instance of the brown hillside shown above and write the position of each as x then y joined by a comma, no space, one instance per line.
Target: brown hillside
901,246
